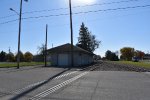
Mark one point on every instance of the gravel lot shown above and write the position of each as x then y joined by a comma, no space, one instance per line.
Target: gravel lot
109,66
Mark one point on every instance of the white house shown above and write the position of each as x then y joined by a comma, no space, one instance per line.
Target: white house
61,56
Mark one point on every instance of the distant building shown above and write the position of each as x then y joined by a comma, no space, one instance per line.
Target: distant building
61,56
146,57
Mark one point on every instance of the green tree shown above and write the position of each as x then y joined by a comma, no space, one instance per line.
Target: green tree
21,57
127,53
3,56
86,40
28,57
114,57
111,56
10,57
108,54
94,44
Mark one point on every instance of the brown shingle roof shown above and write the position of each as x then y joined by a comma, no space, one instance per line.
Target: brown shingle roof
67,48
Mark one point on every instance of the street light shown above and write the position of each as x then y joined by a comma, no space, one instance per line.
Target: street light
71,29
14,11
19,34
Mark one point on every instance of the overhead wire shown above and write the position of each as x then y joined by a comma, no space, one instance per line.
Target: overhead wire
91,20
113,9
96,4
92,11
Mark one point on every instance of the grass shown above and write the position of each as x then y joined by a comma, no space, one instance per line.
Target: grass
138,64
14,64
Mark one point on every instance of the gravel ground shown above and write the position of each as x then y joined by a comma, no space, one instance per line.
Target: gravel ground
109,66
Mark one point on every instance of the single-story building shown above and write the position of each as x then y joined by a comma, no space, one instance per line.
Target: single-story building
146,57
61,56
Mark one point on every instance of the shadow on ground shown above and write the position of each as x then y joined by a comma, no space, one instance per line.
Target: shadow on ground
18,96
81,68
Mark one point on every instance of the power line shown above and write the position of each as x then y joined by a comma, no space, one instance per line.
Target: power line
96,4
92,11
9,21
107,3
7,16
91,20
123,8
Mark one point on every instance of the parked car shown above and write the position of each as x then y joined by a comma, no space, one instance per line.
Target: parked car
135,59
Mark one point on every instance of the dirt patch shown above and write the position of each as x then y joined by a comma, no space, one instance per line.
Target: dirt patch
109,66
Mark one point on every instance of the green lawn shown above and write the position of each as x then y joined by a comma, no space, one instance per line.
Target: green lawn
140,64
12,64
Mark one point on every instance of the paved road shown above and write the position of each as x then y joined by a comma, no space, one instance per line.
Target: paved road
12,80
65,84
105,85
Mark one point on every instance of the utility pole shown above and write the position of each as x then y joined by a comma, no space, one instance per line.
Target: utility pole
19,34
71,29
46,46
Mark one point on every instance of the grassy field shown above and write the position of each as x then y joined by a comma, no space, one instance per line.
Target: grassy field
12,64
138,64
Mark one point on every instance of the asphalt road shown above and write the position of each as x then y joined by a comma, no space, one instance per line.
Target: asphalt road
38,83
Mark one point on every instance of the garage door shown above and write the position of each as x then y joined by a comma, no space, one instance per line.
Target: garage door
63,60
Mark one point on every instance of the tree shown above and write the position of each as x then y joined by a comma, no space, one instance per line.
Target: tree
139,54
41,53
21,57
127,53
114,57
86,40
94,44
41,49
10,57
3,56
28,57
108,54
111,56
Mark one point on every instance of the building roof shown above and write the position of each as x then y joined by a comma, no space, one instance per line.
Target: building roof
67,48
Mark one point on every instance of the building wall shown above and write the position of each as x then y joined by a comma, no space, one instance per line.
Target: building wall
54,59
86,59
80,59
77,59
63,59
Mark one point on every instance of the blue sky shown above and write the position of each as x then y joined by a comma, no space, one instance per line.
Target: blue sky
116,29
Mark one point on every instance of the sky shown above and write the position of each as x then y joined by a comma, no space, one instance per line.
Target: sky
114,27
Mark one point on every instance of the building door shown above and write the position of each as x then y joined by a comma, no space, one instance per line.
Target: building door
63,60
